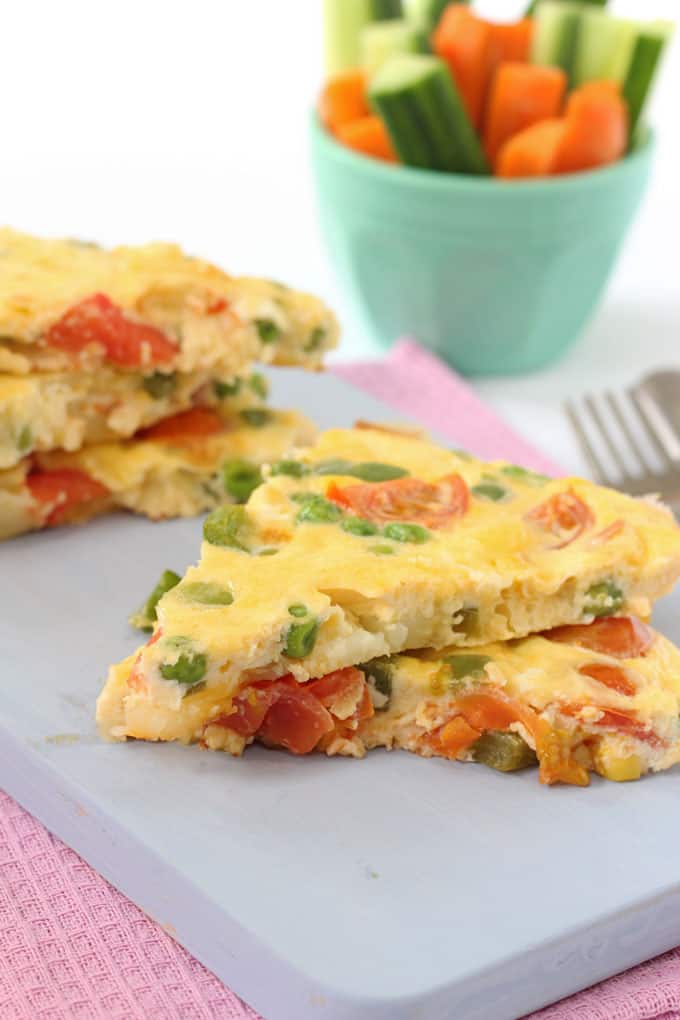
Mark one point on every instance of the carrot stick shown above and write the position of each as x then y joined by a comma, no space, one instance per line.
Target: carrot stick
466,43
531,153
512,40
521,95
596,130
369,136
343,99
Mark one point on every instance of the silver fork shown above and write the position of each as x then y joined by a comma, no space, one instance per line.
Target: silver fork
651,409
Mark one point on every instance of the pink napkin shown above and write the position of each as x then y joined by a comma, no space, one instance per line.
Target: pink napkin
71,946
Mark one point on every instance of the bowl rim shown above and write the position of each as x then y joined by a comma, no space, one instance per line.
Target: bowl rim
422,180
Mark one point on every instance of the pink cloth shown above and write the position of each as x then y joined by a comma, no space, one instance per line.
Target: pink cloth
71,946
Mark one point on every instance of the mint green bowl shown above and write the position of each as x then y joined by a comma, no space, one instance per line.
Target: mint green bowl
494,276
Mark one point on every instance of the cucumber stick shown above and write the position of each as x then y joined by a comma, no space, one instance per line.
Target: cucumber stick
425,116
426,13
645,56
602,43
385,39
343,22
557,35
535,4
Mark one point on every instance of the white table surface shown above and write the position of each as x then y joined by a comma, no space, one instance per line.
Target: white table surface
187,122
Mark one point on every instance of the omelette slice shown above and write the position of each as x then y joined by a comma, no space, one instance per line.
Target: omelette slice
66,410
601,697
71,306
378,543
180,467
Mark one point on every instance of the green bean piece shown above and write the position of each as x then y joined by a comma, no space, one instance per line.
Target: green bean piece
240,478
256,417
382,549
378,673
358,526
25,439
267,330
505,752
292,468
298,610
269,551
207,593
337,466
300,639
160,384
520,474
226,389
316,338
370,471
467,666
189,669
406,532
259,385
225,526
603,599
491,491
318,511
146,616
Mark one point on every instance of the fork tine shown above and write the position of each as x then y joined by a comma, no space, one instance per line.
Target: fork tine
660,435
598,472
628,432
608,441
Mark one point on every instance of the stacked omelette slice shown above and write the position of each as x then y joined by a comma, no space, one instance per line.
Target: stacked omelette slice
126,379
377,591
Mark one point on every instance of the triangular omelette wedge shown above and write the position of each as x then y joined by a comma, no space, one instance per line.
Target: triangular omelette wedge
69,305
191,463
601,697
371,543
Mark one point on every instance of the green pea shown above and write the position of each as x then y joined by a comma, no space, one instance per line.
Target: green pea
337,466
467,666
300,639
298,610
293,468
382,550
226,389
256,417
25,439
603,599
316,338
358,526
225,526
207,593
318,511
521,474
468,622
491,491
145,617
259,385
160,384
505,752
267,330
240,478
379,674
373,472
406,532
189,669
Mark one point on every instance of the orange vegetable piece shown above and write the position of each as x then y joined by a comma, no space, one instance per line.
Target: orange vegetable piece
368,136
613,677
455,736
532,152
343,99
66,489
596,131
195,423
521,95
624,637
434,505
512,40
564,515
467,44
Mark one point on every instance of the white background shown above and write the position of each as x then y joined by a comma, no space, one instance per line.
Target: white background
187,121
